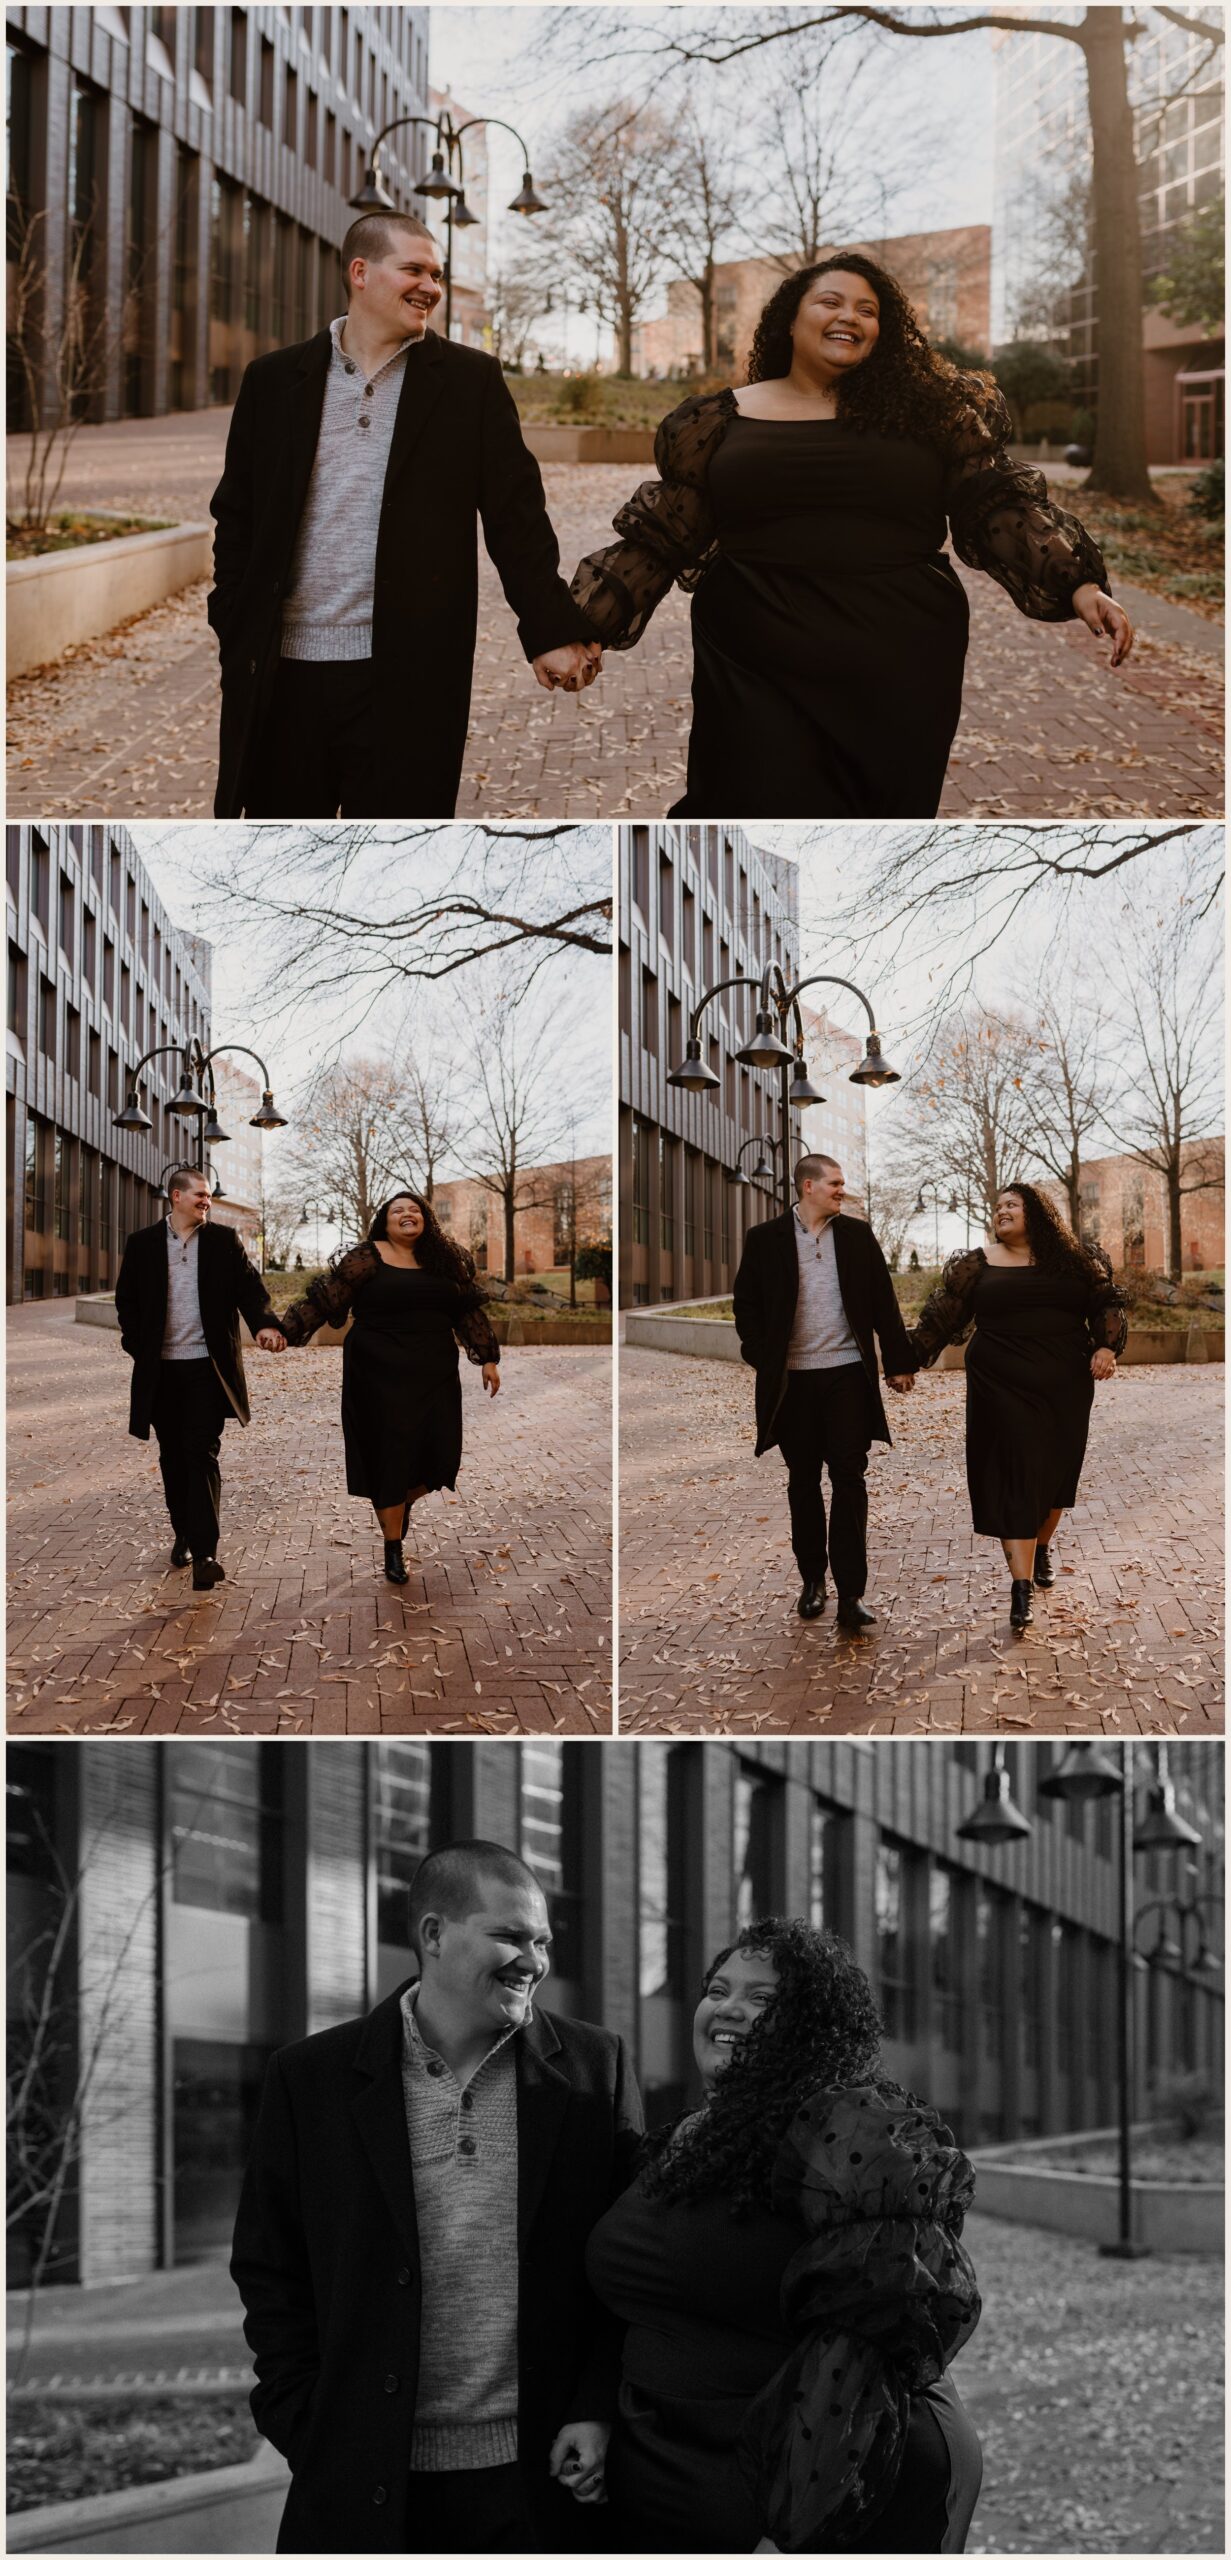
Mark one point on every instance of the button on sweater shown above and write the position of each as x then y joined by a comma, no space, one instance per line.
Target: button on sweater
327,615
463,2151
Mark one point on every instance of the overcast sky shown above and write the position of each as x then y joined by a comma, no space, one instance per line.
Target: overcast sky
927,126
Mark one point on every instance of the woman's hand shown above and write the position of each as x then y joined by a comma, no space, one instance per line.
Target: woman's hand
578,2459
491,1377
1105,619
1103,1365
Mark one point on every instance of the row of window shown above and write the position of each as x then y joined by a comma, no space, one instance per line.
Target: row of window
78,1209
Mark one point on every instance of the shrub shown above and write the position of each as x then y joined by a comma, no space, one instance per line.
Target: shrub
1192,2105
582,395
1207,496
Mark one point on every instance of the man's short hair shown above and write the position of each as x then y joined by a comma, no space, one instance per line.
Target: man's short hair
451,1880
372,235
809,1169
184,1178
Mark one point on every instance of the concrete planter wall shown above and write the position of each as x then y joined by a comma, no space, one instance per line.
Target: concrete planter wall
714,1338
590,444
66,596
1052,2197
547,1332
237,2509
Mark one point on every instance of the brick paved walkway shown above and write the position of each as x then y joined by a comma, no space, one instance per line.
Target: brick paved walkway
127,725
1127,1642
504,1626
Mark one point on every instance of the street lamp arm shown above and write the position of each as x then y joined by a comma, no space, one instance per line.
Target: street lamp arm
823,978
234,1048
169,1049
396,126
457,130
708,998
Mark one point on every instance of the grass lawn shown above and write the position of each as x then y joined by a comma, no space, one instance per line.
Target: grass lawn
69,532
595,400
1201,2162
73,2449
1168,549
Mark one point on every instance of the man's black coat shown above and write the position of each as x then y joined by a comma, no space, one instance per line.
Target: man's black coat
326,2258
766,1290
457,454
228,1286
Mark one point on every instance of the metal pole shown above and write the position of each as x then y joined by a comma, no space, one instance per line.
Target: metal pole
1125,2246
449,268
785,1185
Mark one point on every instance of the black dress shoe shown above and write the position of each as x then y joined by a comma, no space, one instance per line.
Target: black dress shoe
1021,1609
395,1561
1044,1569
206,1571
179,1552
811,1600
854,1617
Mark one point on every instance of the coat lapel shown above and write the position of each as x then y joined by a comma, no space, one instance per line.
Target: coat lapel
423,381
542,2097
379,2111
307,402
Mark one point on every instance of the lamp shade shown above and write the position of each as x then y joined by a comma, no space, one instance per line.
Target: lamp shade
463,218
525,200
996,1820
874,1068
373,195
1161,1827
133,1116
190,1104
1084,1773
764,1049
215,1134
802,1091
920,1205
693,1073
438,181
267,1117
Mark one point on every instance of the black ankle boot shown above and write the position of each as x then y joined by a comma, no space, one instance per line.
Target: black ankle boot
1044,1569
395,1561
1021,1610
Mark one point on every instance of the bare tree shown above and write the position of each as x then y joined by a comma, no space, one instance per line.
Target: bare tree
612,181
358,1130
518,300
524,1107
432,1110
1171,1095
58,350
974,1104
1067,1085
281,1213
706,196
826,166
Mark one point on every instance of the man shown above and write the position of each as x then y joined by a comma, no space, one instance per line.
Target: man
410,2240
345,561
812,1289
182,1289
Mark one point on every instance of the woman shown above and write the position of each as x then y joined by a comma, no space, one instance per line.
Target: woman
412,1295
807,511
1049,1322
789,2270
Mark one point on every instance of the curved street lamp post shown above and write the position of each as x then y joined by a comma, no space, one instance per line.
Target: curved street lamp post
778,1005
196,1101
1085,1773
440,185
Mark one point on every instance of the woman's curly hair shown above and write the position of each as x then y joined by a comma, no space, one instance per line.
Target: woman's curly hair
903,388
434,1250
820,2030
1053,1245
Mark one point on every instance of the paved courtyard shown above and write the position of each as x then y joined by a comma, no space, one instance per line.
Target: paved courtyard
1127,1642
504,1626
126,726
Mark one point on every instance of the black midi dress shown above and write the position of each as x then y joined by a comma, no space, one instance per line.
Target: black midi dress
829,625
1029,1387
700,2299
401,1388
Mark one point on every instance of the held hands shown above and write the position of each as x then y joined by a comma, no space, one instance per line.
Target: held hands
1106,619
1103,1365
901,1386
571,668
577,2460
491,1376
270,1339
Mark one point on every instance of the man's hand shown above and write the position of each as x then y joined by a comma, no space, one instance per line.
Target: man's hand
578,2458
571,668
490,1374
1103,1365
901,1386
270,1339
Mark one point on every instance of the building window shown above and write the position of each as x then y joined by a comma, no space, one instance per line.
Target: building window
17,992
45,1029
641,1181
410,1811
667,1153
991,1914
692,1164
72,1040
551,1843
265,111
40,881
216,2096
756,1861
893,1943
828,1874
662,1877
942,1948
640,867
290,109
225,1827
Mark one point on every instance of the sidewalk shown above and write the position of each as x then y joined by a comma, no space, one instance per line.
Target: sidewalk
1127,1642
504,1626
1096,2388
127,725
185,2322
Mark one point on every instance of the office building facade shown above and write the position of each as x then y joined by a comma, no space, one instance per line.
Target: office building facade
97,975
182,176
698,904
231,1897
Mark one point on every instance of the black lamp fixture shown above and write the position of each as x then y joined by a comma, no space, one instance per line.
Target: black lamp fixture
463,218
189,1104
1161,1827
692,1073
764,1048
996,1821
267,1117
213,1133
801,1090
525,200
1084,1773
874,1068
438,184
133,1116
373,196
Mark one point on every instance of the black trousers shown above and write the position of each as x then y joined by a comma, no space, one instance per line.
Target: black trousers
469,2511
826,1421
314,756
189,1412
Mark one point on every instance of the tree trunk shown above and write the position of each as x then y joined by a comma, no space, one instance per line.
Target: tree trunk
1175,1238
1120,467
709,334
510,1243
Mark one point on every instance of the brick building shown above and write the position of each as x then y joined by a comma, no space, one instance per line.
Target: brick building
97,974
558,1207
1124,1208
188,171
947,275
234,1896
697,904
